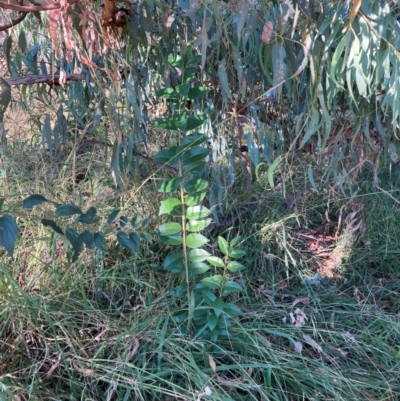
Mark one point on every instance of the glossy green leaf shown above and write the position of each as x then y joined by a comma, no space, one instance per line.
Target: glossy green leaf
218,306
167,93
237,253
67,210
174,263
231,286
198,255
165,122
135,239
180,120
212,321
235,267
197,93
168,186
198,267
192,140
8,233
194,155
99,241
112,216
197,212
76,242
33,200
88,238
216,261
173,239
194,168
195,240
196,185
195,198
183,90
124,241
169,228
209,297
223,245
52,224
175,60
195,122
232,310
213,282
170,155
197,225
169,205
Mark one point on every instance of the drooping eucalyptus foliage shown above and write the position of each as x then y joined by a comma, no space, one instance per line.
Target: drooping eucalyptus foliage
283,77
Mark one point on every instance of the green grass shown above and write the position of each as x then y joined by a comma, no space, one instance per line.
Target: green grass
102,328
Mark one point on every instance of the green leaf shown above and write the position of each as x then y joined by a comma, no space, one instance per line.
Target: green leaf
235,241
218,306
22,44
99,241
194,61
168,186
209,297
174,263
215,261
195,240
33,200
167,93
135,239
134,221
169,228
88,238
235,267
112,216
232,310
85,219
124,241
175,60
53,226
170,155
196,185
188,74
169,205
213,282
173,239
8,233
67,210
183,90
237,253
223,245
195,155
165,122
195,198
197,212
198,267
7,44
91,211
192,140
198,255
180,120
311,178
195,122
76,242
197,225
212,321
230,287
271,170
194,168
197,93
123,221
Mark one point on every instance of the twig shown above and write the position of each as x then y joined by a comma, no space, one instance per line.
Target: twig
42,79
13,22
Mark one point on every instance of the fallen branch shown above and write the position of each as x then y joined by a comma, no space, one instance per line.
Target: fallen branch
43,79
13,22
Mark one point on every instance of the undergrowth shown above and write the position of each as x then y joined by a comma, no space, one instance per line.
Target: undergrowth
102,328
